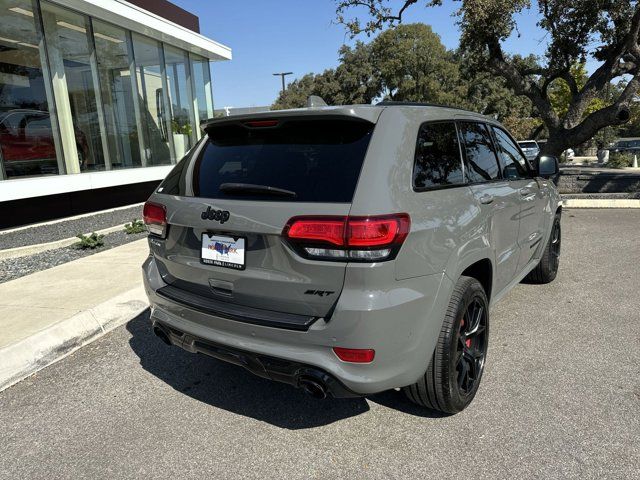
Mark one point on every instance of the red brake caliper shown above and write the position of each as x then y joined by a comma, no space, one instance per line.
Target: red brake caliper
467,342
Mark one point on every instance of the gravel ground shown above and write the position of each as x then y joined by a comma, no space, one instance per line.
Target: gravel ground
560,398
13,268
68,228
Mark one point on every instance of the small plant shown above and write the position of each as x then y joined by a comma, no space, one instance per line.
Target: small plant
181,128
137,226
620,160
90,241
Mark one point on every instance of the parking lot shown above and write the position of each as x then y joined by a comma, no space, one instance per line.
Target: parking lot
560,397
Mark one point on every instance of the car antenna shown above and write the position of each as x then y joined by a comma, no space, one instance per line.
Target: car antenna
315,101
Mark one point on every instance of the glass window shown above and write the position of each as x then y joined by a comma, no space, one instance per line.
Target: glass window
151,87
180,99
318,160
478,148
513,163
28,145
70,61
117,95
437,160
202,87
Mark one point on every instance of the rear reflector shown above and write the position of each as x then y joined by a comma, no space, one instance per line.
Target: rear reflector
348,238
355,355
155,218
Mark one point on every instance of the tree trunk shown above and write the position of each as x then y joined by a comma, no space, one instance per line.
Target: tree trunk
554,146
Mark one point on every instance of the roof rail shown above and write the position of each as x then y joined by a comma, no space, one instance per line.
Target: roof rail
390,103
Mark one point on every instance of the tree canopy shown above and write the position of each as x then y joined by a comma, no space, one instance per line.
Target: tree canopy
605,31
407,63
353,81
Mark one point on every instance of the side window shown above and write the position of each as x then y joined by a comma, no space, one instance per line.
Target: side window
513,163
478,147
437,160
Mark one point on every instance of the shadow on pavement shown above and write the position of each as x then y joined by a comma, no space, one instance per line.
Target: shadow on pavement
236,390
232,388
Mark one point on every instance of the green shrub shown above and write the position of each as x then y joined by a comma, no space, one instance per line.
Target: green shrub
90,241
137,226
620,160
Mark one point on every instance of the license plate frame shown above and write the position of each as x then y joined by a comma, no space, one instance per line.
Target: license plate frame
224,251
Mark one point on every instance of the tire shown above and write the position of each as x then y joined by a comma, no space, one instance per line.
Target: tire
454,373
547,268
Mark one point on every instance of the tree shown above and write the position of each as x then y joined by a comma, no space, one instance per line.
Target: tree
357,76
414,65
560,92
605,30
523,128
490,95
408,63
297,92
353,81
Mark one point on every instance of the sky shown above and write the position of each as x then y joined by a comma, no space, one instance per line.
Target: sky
300,36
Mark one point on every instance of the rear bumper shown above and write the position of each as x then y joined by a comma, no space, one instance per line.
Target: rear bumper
400,320
278,369
228,310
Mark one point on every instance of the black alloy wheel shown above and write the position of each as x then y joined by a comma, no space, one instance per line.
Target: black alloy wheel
453,376
547,269
471,346
556,240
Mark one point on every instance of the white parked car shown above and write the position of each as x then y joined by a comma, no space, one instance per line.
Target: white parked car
569,154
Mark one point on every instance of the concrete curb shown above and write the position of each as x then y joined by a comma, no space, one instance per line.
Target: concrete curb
18,252
26,357
601,203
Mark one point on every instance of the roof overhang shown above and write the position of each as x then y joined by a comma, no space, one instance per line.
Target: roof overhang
132,17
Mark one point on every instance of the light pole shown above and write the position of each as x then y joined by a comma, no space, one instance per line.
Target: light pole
282,75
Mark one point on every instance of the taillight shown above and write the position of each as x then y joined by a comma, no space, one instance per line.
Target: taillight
378,231
155,218
320,229
364,239
355,355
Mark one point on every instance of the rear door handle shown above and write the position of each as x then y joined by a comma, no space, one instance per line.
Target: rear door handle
486,199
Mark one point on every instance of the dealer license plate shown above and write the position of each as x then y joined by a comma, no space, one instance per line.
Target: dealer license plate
223,251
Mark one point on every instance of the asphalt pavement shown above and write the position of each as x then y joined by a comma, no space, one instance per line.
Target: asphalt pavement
560,397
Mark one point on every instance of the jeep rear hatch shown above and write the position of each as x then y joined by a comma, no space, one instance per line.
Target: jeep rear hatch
263,172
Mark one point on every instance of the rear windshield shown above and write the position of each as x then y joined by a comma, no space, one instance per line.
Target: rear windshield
527,144
318,160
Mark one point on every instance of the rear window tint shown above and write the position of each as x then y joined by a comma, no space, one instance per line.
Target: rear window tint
319,160
528,145
478,148
437,161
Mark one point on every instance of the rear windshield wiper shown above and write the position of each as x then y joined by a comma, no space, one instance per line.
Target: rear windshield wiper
242,188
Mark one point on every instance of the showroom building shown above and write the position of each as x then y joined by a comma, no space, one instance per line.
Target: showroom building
98,98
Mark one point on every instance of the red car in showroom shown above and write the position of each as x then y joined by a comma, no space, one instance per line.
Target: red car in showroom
27,144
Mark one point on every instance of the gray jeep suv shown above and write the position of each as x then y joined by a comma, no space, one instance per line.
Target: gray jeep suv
349,250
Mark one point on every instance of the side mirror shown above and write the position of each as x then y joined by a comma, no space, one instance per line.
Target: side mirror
547,166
